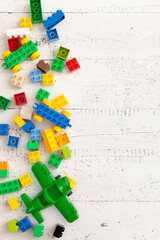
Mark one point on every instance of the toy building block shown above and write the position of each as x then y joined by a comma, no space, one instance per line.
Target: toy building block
13,142
17,80
59,102
37,117
36,135
19,121
58,65
66,152
4,169
4,103
42,94
58,232
50,140
57,129
63,139
47,102
25,180
36,76
34,156
26,23
54,19
66,113
18,32
32,145
12,225
4,173
4,129
36,11
63,53
25,224
28,126
14,44
51,115
44,67
38,230
52,35
13,203
73,65
20,98
55,160
26,113
47,79
13,60
9,187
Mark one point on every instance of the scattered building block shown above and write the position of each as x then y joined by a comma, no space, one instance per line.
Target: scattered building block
4,103
57,128
20,98
59,102
34,156
14,44
52,35
36,11
17,80
13,142
9,187
4,129
36,135
50,141
63,53
66,113
66,152
44,67
73,65
54,19
47,79
58,232
58,65
32,145
25,180
25,224
12,225
55,160
18,32
26,113
63,139
36,76
42,94
38,230
26,23
13,203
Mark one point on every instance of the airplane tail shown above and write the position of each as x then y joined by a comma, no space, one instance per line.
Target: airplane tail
27,201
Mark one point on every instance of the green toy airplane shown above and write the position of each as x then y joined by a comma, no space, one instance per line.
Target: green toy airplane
54,193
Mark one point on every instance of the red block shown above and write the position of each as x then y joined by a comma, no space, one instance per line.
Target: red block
14,44
72,64
20,98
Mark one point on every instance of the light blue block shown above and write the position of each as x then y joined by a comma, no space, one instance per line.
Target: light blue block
36,76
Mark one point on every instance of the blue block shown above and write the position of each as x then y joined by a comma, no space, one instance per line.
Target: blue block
4,129
54,19
13,142
25,224
36,135
36,76
51,115
28,126
52,35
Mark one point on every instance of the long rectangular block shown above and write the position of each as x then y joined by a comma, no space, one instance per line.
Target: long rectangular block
50,141
9,187
36,11
18,32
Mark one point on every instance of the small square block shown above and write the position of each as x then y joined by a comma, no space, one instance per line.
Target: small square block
52,35
66,152
58,65
14,44
20,98
34,156
4,103
36,76
38,230
55,160
73,65
47,79
42,94
13,142
26,113
25,180
4,129
13,203
63,53
26,22
4,173
58,232
4,165
25,224
12,225
17,80
63,139
36,135
44,67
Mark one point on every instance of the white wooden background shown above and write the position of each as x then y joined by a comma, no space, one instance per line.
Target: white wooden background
115,105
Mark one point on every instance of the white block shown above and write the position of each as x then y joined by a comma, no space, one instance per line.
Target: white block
18,32
26,113
17,80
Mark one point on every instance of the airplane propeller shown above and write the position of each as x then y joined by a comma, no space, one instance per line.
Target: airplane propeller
71,181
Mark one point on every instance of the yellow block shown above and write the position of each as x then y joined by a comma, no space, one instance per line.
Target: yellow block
19,121
59,102
25,180
38,117
66,113
47,79
57,129
26,22
50,140
13,203
34,156
47,102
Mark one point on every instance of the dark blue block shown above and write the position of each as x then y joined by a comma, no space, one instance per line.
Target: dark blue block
4,129
54,19
25,224
13,142
28,126
36,76
36,134
52,35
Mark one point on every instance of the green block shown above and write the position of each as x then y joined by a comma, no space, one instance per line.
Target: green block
63,53
9,187
32,145
58,65
38,230
36,11
66,152
42,94
4,103
55,160
13,227
4,173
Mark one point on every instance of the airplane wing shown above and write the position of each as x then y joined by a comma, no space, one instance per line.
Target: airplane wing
43,174
67,209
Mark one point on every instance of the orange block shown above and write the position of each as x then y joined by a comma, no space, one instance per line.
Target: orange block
63,139
4,166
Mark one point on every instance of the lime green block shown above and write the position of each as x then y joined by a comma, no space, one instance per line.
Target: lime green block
12,225
66,152
4,173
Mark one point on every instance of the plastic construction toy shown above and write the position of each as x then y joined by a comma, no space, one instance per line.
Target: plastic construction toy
36,135
63,139
18,32
14,44
28,126
38,230
57,129
19,121
17,80
20,98
13,142
13,203
26,113
59,102
47,79
63,53
36,11
12,60
4,169
4,129
9,187
73,65
52,35
42,94
58,65
12,225
36,76
55,160
66,113
34,156
58,232
32,145
4,103
26,23
37,117
50,141
44,67
47,102
54,193
25,224
66,152
54,19
25,180
51,115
